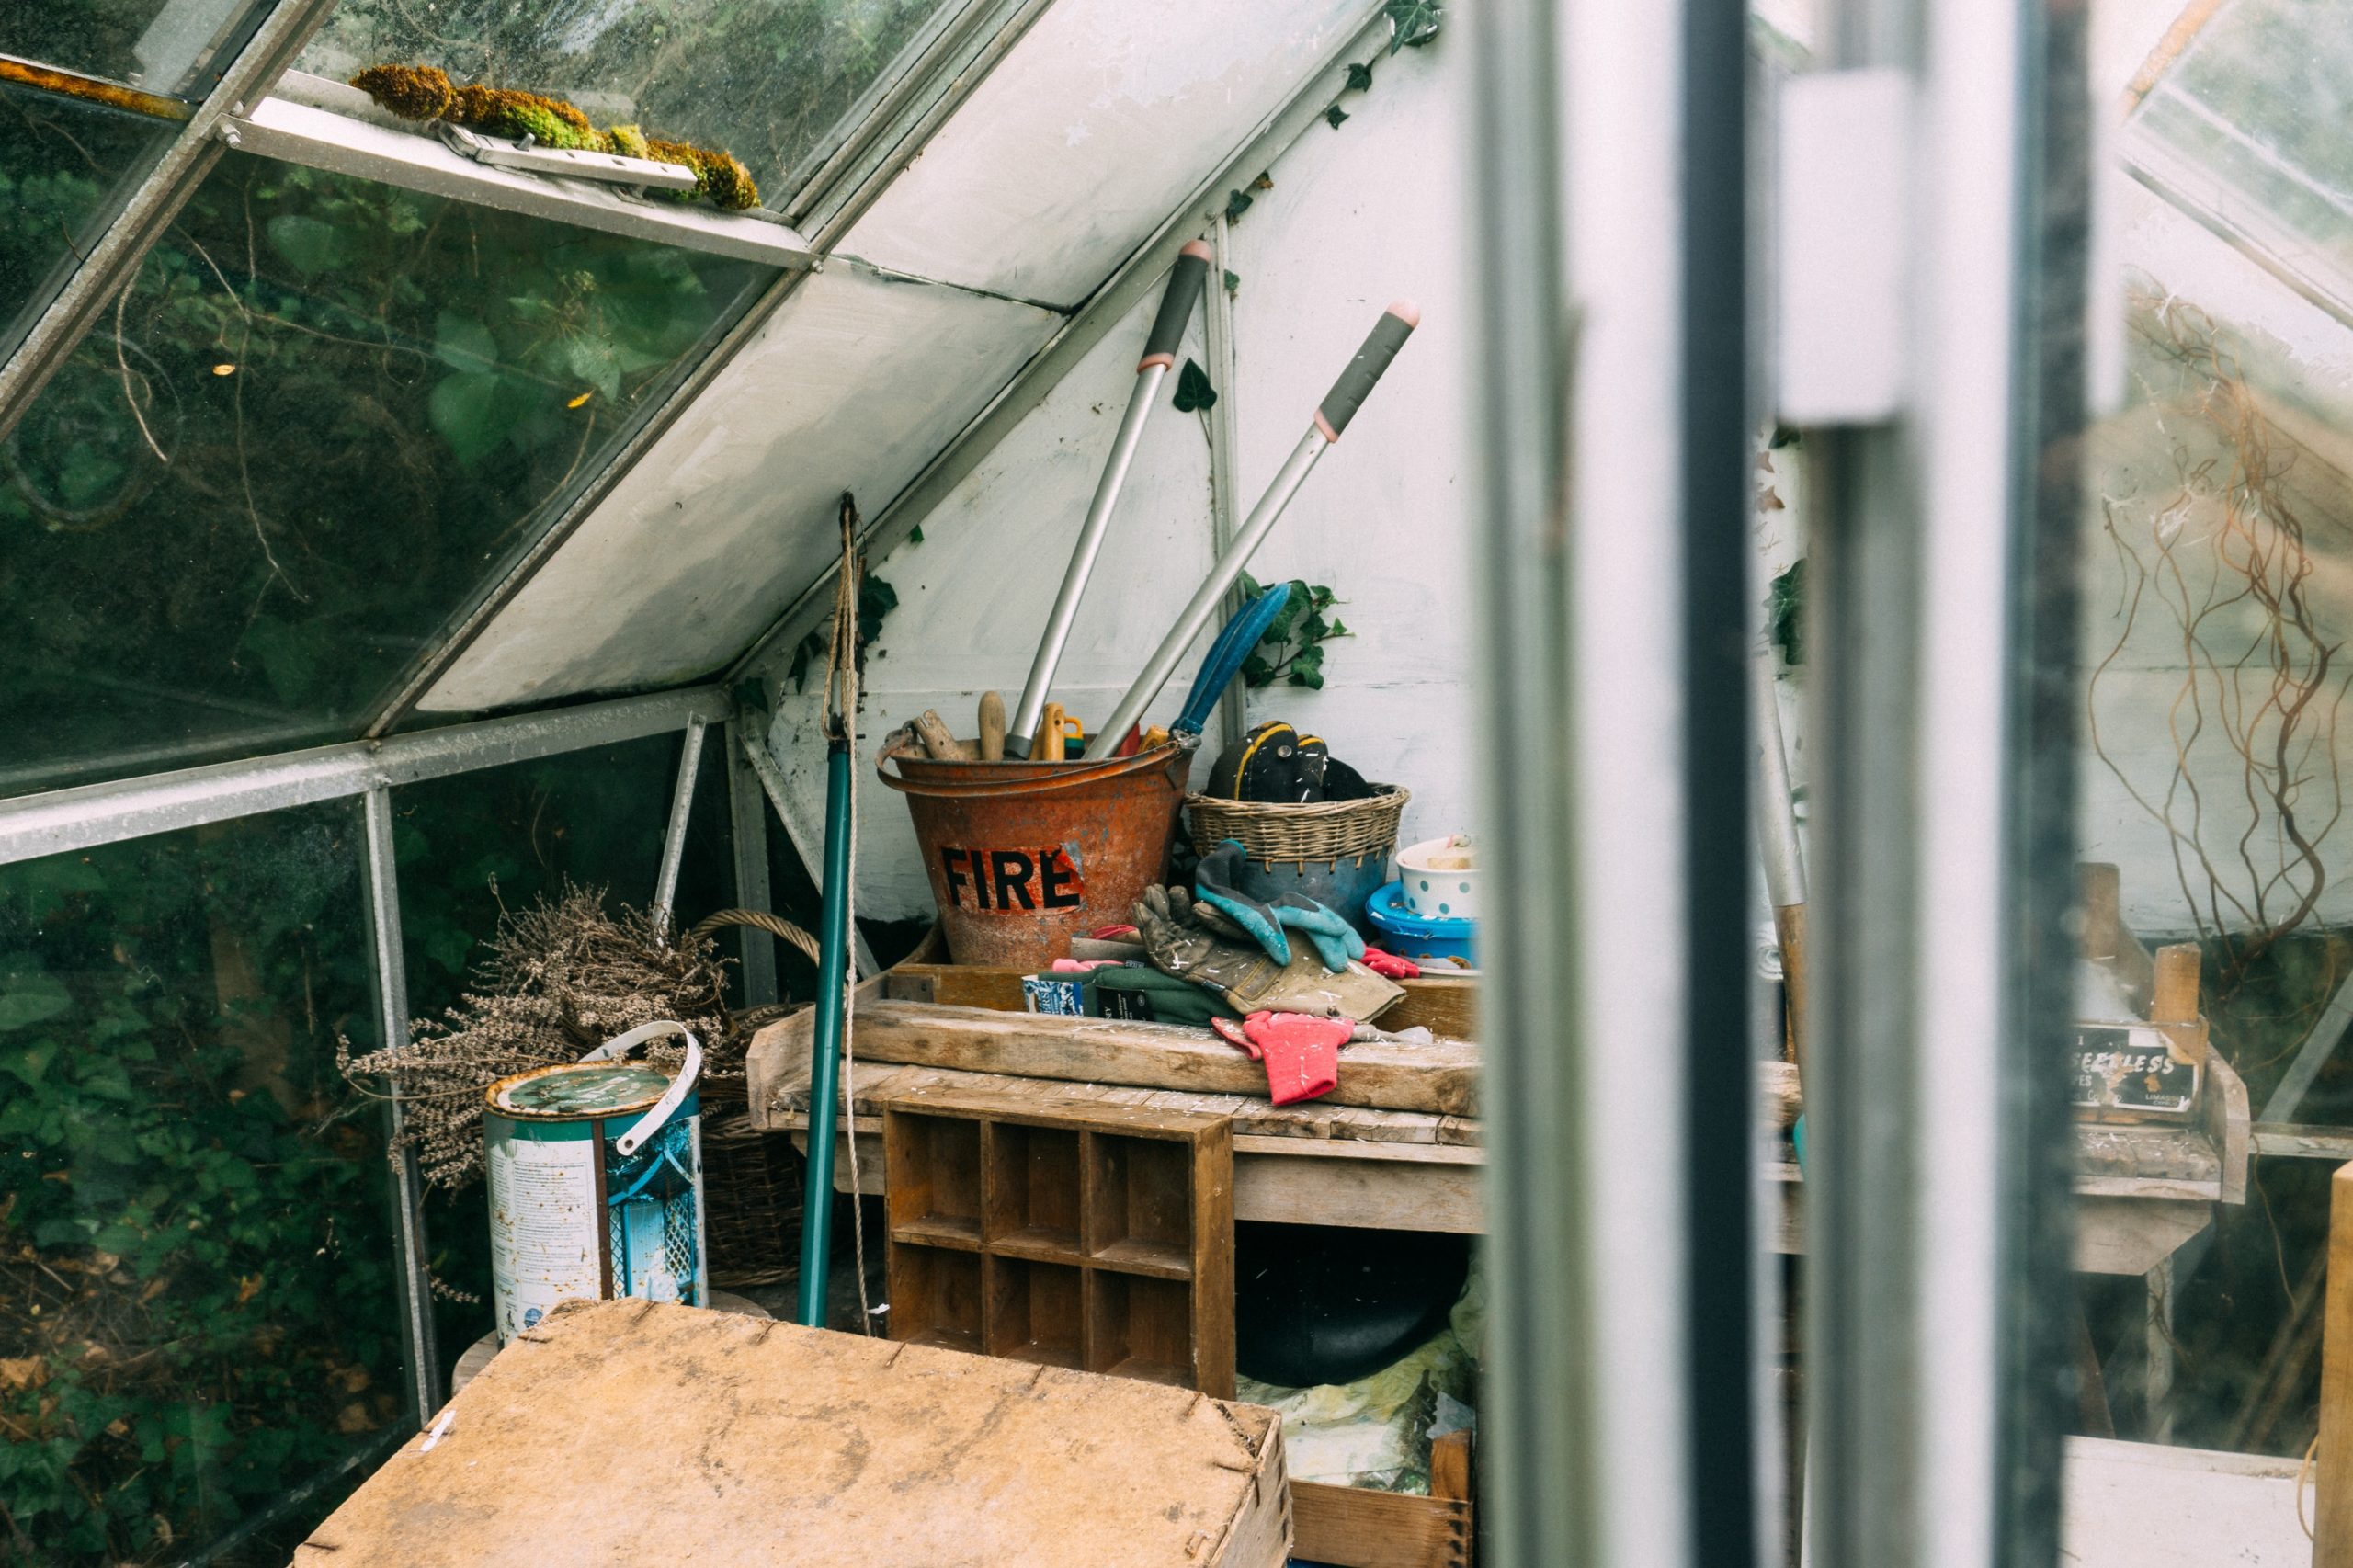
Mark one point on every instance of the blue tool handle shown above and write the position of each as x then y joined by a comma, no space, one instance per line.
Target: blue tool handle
1227,653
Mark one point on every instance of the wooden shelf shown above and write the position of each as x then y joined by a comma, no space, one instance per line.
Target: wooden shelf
1045,1247
936,1231
1094,1236
1152,1371
1162,1260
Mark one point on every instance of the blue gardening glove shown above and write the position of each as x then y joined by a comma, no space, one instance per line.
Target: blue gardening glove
1218,883
1335,940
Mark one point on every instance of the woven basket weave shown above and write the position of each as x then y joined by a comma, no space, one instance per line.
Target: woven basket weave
1324,831
751,1179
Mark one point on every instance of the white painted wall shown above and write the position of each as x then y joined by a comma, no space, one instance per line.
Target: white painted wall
974,594
1357,216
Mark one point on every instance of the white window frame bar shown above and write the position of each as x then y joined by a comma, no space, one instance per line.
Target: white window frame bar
1937,1191
414,1273
61,821
150,207
1625,1426
747,814
682,811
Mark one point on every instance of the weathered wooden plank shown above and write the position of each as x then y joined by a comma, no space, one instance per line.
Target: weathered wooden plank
1446,1005
2149,1151
1351,1527
2333,1534
1461,1129
1346,1148
1438,1078
1364,1194
779,1443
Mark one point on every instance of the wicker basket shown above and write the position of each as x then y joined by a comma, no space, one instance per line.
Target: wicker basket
1321,833
751,1183
751,1179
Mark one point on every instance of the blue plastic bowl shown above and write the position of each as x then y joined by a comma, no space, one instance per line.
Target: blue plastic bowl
1440,947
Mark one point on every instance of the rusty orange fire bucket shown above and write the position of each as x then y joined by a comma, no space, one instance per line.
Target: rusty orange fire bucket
1023,855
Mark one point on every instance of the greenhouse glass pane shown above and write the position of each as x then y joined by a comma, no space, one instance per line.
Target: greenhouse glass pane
198,1305
2213,599
60,159
326,418
474,846
165,46
764,79
2260,105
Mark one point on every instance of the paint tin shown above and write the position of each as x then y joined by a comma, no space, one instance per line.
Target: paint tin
596,1182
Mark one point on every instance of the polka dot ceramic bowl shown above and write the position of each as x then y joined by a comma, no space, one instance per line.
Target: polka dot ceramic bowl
1438,878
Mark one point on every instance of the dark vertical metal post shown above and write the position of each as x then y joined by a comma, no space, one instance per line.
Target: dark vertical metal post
1719,1047
2034,1203
824,1070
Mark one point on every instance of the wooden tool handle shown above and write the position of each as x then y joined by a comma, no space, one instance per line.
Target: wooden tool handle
992,727
939,740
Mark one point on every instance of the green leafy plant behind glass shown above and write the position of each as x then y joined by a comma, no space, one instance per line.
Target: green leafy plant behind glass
322,418
197,1309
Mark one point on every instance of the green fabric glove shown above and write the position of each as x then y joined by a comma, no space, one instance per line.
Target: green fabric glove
1142,992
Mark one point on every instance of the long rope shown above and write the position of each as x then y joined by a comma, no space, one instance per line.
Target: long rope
841,724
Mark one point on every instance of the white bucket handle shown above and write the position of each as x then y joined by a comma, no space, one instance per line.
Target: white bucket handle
680,1087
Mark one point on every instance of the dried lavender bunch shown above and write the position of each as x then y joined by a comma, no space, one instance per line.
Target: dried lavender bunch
562,978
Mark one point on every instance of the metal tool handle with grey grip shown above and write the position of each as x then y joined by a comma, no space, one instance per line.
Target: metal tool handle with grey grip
1348,395
1355,382
1185,280
1159,346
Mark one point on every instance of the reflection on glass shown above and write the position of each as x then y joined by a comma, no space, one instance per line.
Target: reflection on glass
2259,107
473,845
327,413
165,46
764,80
60,161
2216,601
198,1305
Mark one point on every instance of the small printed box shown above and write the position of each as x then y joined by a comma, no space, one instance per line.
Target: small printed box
1063,995
2132,1073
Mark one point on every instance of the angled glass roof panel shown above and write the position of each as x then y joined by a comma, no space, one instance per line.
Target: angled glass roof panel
2250,132
61,160
163,46
766,80
326,415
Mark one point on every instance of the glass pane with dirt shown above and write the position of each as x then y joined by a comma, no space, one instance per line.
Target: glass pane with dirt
766,80
201,1342
61,163
325,417
177,47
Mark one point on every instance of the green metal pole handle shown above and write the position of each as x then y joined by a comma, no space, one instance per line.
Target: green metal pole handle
826,1064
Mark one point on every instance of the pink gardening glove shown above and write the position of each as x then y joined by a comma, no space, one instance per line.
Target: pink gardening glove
1388,966
1302,1050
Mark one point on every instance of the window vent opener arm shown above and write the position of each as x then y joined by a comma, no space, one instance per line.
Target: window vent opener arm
609,168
